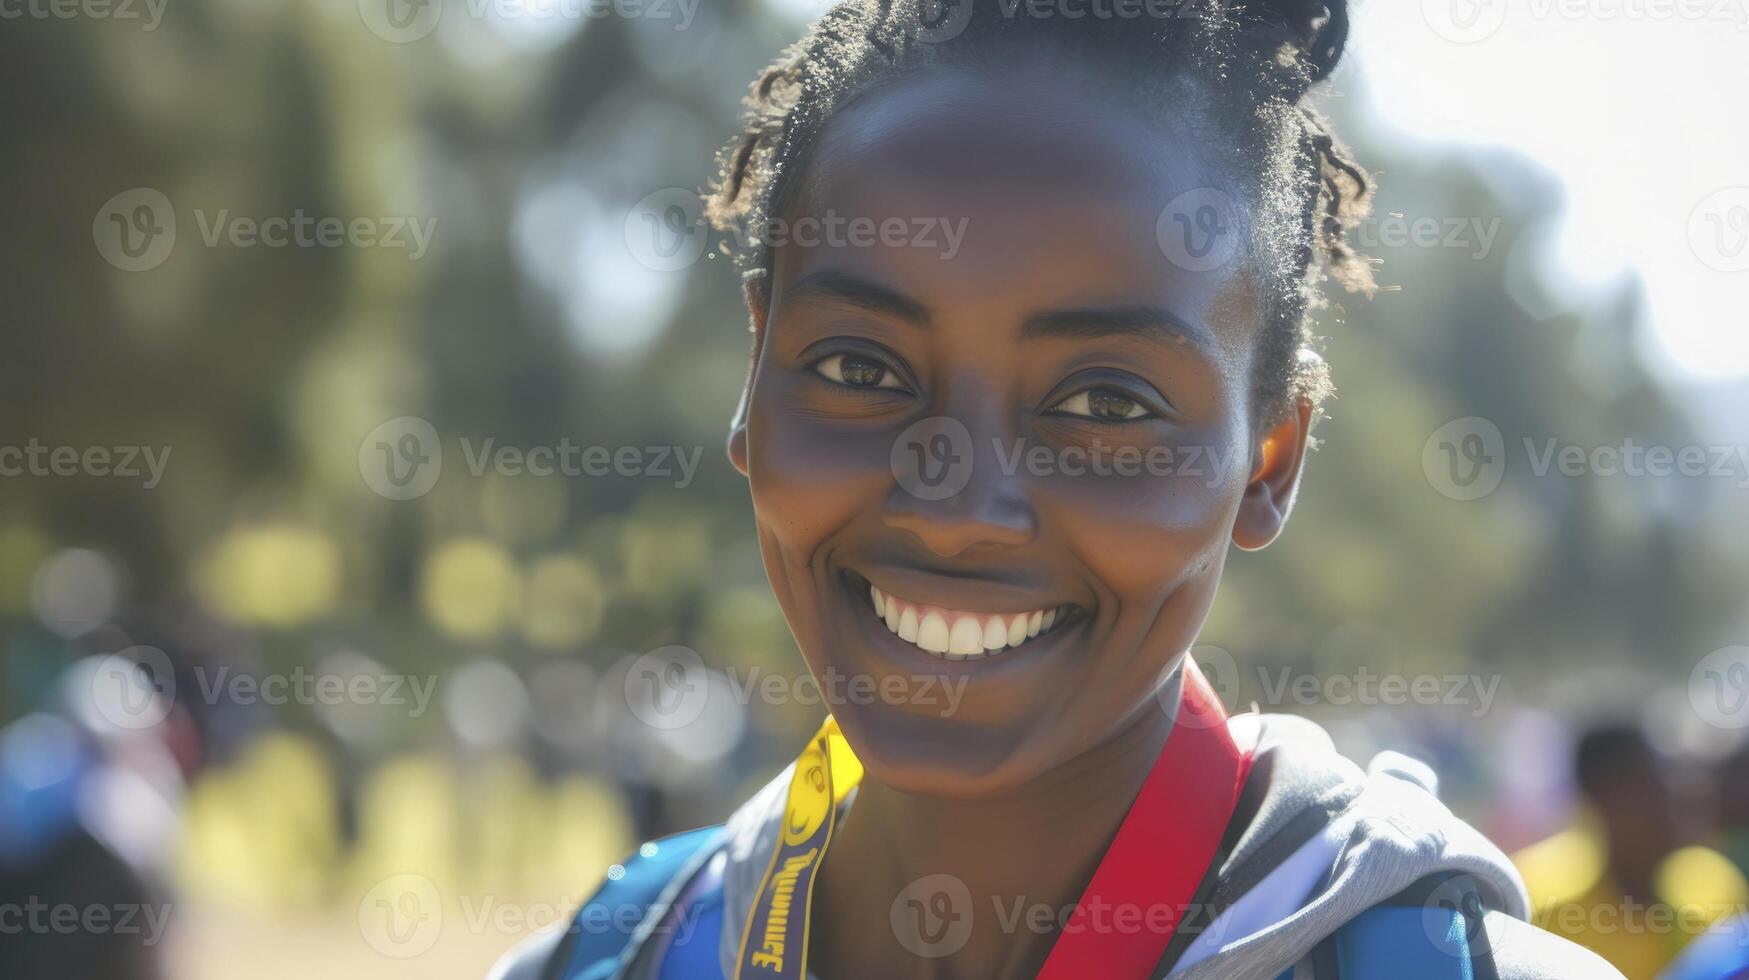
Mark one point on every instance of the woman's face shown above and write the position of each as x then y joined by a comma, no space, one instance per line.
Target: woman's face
1091,453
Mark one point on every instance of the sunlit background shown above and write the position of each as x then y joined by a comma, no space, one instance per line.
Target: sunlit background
1586,170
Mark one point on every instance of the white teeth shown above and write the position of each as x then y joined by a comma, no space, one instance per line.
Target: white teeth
967,637
907,625
995,633
932,634
958,635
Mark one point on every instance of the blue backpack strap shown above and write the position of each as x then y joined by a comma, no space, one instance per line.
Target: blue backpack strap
1388,942
605,928
1433,929
696,956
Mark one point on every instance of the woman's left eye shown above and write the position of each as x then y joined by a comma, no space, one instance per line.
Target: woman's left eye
1104,404
857,371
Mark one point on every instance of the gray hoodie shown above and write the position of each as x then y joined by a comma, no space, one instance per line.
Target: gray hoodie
1321,842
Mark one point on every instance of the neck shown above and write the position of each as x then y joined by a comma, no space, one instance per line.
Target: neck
1024,856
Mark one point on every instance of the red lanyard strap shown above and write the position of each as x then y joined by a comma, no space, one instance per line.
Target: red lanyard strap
1162,850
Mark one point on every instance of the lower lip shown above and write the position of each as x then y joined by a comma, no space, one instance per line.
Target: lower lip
1007,660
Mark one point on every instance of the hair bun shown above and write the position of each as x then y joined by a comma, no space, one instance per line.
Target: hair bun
1318,27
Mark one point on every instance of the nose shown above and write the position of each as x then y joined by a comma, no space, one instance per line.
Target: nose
957,492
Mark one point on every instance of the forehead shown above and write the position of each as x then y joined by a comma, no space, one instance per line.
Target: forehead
1060,194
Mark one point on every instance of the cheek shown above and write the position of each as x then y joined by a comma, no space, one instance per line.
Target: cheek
810,478
1168,521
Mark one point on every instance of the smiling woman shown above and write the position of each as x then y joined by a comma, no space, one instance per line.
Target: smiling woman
1147,209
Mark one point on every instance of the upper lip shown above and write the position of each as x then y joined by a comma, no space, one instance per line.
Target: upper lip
962,592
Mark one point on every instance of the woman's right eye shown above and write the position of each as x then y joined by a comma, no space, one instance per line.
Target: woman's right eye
857,371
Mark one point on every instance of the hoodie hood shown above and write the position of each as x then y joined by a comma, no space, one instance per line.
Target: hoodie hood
1321,842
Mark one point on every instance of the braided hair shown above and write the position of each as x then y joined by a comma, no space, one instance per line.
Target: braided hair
1257,60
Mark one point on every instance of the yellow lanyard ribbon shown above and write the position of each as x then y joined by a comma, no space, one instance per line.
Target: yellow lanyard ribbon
774,945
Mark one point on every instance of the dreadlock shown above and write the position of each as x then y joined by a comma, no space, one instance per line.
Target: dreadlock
1257,59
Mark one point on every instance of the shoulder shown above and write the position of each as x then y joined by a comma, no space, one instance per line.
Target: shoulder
1524,952
529,959
614,918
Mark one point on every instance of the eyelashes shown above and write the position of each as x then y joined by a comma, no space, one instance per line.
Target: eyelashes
1102,403
1108,397
858,371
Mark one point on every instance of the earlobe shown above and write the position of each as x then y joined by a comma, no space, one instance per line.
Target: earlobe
738,447
1275,478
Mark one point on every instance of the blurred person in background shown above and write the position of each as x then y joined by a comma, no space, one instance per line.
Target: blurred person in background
1625,880
82,818
1731,782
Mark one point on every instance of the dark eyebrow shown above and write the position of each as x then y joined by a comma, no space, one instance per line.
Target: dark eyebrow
1134,320
833,284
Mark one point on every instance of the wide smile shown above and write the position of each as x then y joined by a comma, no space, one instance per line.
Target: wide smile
962,634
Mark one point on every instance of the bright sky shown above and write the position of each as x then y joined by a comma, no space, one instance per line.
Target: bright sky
1640,106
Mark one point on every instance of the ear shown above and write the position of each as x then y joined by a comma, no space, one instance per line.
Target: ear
1276,461
758,310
